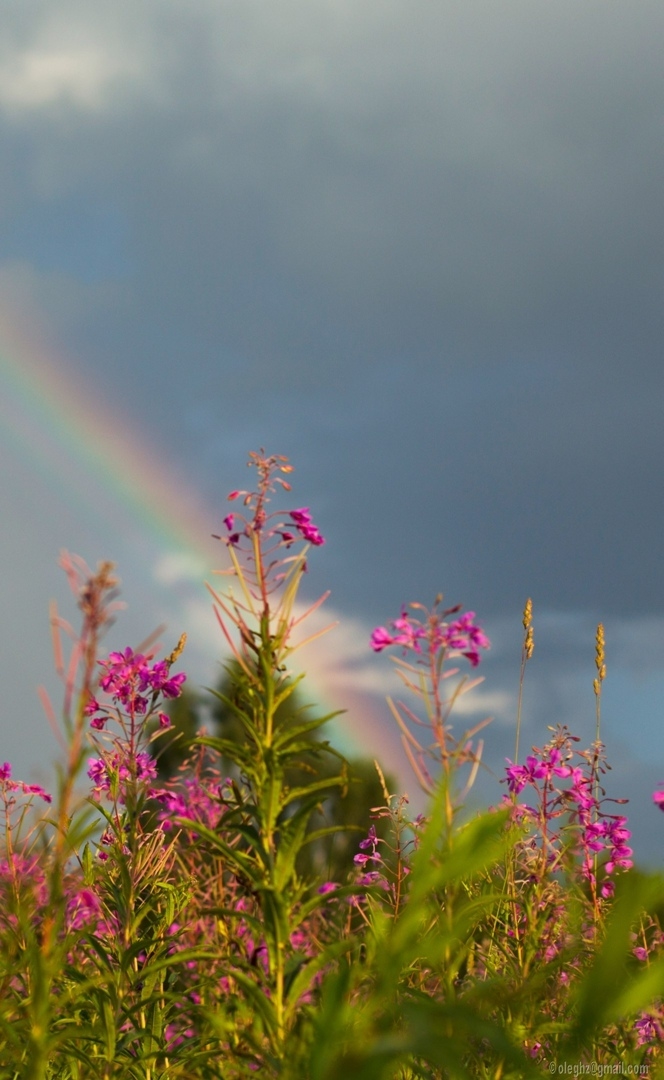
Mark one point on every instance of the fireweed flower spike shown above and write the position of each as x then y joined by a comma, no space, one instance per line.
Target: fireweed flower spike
135,683
408,634
381,639
432,637
245,527
461,636
258,617
573,810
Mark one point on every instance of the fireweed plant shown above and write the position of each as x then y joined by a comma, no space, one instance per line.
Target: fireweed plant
157,928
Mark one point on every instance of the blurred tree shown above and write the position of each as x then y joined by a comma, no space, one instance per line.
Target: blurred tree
174,745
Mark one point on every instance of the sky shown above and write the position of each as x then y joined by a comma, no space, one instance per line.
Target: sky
415,247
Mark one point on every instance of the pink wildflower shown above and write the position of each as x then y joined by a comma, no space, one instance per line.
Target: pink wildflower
194,800
115,769
648,1029
306,527
373,877
465,636
37,789
408,634
301,516
82,909
520,775
381,639
98,773
370,841
173,687
146,767
18,785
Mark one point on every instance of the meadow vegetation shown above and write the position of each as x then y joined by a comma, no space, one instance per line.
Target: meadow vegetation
230,915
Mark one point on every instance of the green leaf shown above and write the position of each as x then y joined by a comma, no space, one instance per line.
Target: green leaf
242,864
242,755
288,733
310,789
305,975
256,995
247,723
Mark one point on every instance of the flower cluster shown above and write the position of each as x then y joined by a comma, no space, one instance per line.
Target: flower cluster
649,1029
370,845
301,520
133,682
306,527
241,525
536,768
84,909
461,636
117,769
595,830
194,799
24,872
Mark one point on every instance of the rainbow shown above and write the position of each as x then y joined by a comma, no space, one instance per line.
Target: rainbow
91,457
65,432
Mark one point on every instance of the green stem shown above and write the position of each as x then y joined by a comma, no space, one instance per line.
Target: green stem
518,706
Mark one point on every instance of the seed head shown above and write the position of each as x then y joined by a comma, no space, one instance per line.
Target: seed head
177,651
599,653
529,640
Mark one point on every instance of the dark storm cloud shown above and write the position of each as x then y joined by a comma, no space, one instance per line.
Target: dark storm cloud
417,247
396,200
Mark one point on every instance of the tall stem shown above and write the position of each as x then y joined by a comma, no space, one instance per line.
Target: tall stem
597,687
526,653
